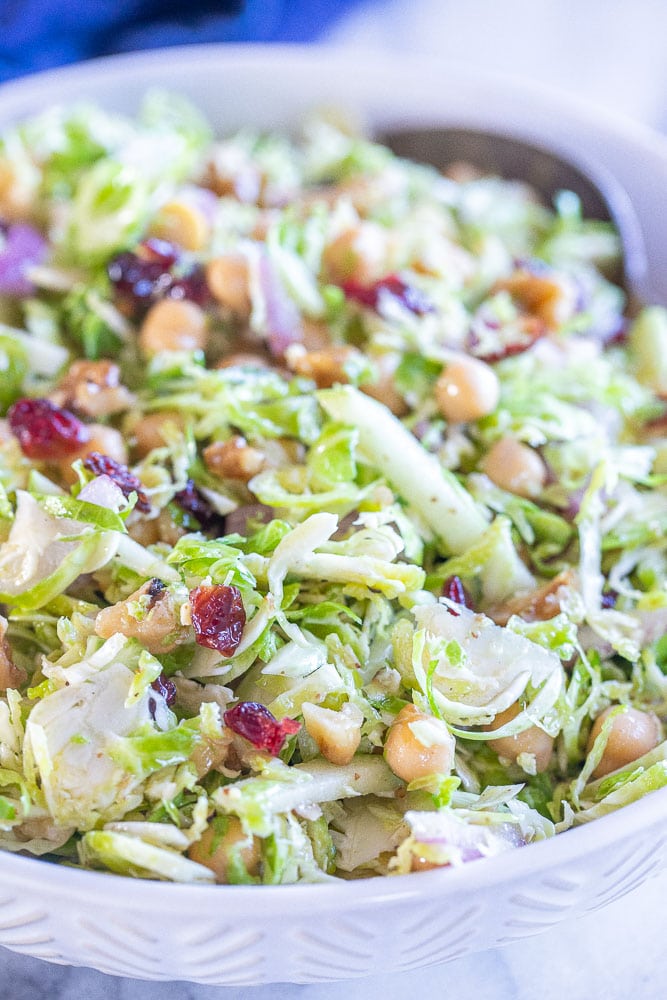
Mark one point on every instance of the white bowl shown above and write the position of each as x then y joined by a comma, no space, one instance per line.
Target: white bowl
244,935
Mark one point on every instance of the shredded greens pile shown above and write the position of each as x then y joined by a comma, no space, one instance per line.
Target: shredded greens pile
348,554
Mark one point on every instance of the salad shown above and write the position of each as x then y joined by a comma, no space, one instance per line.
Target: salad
332,506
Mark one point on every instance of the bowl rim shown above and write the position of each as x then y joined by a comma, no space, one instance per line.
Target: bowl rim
18,96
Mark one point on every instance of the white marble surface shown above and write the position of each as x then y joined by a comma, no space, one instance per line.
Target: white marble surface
614,53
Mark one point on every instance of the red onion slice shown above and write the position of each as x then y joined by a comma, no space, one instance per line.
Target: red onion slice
283,321
24,247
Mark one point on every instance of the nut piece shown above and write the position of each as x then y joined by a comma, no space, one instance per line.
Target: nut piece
359,254
467,389
148,615
326,367
515,467
231,173
183,223
148,432
228,279
542,296
633,733
11,676
532,741
337,734
233,459
537,605
224,852
173,325
94,389
414,754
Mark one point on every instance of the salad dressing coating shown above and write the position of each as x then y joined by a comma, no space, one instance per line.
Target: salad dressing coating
332,506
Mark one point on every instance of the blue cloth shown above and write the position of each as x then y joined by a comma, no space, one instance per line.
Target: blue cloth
38,34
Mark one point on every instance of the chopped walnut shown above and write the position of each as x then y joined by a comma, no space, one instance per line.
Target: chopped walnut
94,389
326,367
234,459
538,605
149,615
547,299
231,173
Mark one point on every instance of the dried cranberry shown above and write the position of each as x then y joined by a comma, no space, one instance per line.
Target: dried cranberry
455,591
162,251
146,275
257,725
193,502
44,431
369,295
218,617
138,282
166,687
192,286
126,481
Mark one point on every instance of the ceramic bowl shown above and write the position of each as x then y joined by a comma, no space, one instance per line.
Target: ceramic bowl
231,935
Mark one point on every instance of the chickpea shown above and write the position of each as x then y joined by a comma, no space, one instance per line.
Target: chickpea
240,359
337,734
149,615
144,530
515,467
228,279
233,459
325,367
168,530
173,325
163,528
148,432
94,389
467,389
183,223
106,440
633,733
358,254
216,850
532,741
405,753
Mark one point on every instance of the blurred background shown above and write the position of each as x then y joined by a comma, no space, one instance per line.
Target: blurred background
611,52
